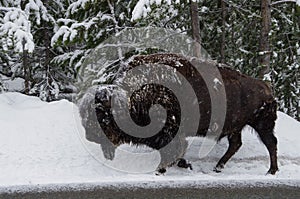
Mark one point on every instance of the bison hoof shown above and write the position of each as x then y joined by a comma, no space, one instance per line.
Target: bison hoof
161,171
272,171
182,163
218,168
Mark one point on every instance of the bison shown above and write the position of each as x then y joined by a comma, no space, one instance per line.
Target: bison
249,101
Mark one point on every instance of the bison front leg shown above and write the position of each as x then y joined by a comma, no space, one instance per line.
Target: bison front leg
235,142
172,152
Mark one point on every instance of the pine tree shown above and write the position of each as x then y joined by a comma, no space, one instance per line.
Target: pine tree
241,50
16,39
86,24
285,40
26,30
48,79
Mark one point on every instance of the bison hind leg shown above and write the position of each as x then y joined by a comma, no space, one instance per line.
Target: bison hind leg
264,124
271,143
235,142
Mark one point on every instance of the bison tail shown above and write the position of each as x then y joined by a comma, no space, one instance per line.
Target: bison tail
270,111
263,120
266,114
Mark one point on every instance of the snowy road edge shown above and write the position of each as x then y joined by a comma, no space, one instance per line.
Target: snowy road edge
150,185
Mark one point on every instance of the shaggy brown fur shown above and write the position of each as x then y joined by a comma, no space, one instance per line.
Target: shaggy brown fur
249,102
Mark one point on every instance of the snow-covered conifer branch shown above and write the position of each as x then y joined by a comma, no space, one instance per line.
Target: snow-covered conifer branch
286,1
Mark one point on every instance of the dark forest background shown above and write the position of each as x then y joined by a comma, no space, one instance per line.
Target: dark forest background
45,42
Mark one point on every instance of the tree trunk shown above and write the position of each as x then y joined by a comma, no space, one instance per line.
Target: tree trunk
26,69
46,64
222,43
264,46
195,28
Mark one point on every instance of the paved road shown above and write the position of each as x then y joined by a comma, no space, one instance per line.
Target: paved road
280,192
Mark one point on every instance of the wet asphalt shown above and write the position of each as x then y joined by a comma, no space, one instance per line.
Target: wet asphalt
275,191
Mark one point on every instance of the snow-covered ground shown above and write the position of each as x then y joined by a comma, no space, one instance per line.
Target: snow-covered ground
41,143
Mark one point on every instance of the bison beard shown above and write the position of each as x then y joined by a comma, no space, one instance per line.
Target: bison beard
249,102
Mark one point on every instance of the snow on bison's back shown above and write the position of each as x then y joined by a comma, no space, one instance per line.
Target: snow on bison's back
249,102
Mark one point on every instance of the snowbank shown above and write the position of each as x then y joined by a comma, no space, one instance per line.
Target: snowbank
41,143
